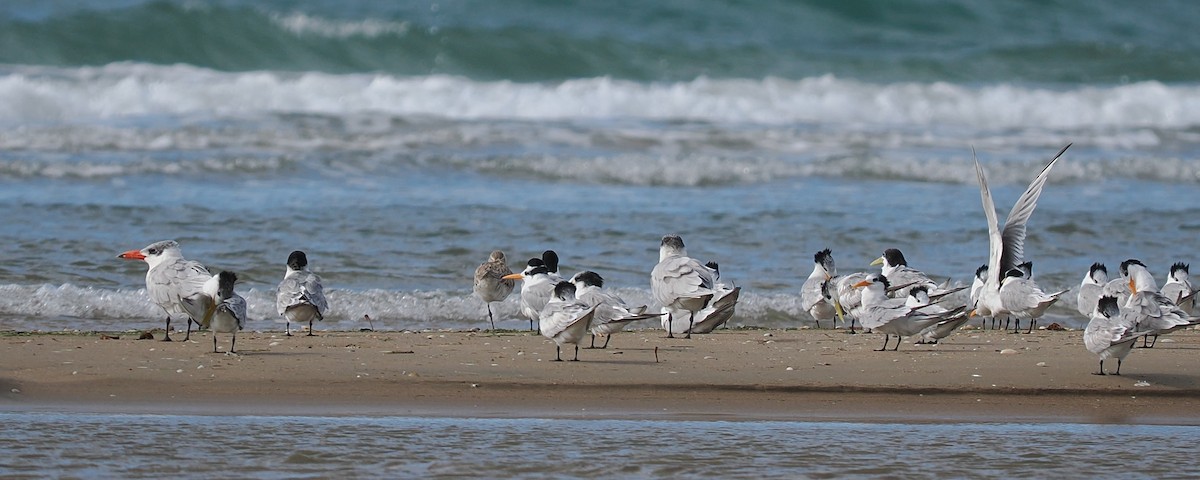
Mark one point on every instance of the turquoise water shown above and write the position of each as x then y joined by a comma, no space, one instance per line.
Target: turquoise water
39,445
398,143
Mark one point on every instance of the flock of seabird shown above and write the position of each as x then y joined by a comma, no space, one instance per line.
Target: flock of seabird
897,301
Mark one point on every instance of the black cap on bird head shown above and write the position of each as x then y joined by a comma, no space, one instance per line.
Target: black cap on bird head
894,257
550,259
1125,266
564,290
980,271
673,241
1177,266
1107,306
225,281
297,260
589,278
823,256
1098,267
918,289
535,266
879,278
1014,272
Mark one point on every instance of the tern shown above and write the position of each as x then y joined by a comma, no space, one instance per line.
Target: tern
537,284
490,285
918,297
1109,333
1090,289
1148,309
1178,287
891,316
680,282
565,319
174,283
717,313
894,266
812,299
300,297
1023,297
1006,244
228,314
612,314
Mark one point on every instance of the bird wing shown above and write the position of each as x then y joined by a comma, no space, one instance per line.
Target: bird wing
235,306
1013,236
681,277
170,283
995,239
301,288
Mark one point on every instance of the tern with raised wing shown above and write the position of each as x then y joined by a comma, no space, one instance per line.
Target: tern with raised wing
1006,244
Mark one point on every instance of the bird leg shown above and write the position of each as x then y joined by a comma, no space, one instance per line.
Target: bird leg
852,320
493,322
167,330
1118,372
1101,372
886,337
606,339
670,325
287,328
310,333
214,342
1018,326
231,342
593,341
188,335
1032,321
897,347
531,325
691,323
557,353
576,359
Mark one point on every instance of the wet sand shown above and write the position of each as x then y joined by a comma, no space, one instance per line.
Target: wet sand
806,375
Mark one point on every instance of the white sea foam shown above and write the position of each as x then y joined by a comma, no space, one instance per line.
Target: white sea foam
303,24
70,307
42,94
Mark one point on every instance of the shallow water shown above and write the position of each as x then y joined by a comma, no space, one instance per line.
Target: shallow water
152,446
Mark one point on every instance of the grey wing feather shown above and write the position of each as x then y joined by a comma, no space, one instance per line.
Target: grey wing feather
681,277
236,306
301,288
1015,226
171,283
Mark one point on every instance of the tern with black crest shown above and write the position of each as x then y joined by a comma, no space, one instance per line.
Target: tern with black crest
174,283
300,297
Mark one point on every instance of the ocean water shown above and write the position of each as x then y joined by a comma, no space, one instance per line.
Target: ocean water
39,445
398,143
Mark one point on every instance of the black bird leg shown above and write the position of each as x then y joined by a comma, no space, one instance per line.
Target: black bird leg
886,337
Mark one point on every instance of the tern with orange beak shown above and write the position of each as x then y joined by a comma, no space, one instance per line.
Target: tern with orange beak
537,284
174,283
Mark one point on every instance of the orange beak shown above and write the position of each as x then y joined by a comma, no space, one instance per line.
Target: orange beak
861,284
132,255
1132,285
512,276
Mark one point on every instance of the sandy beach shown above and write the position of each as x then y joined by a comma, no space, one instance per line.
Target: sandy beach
734,374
